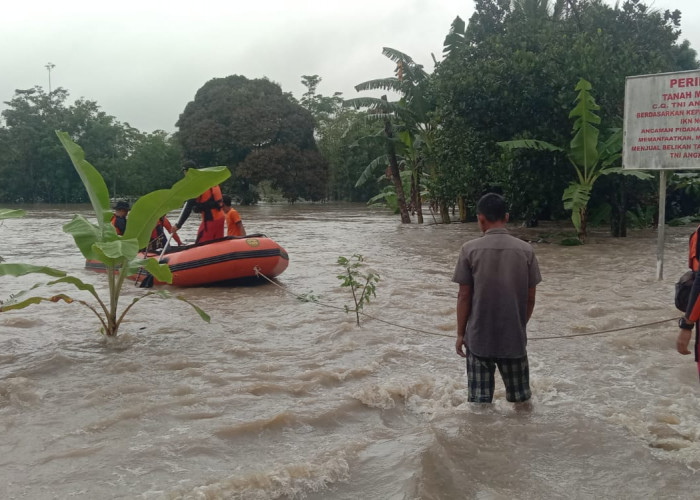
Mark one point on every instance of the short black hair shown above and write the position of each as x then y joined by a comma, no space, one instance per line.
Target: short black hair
493,207
227,200
122,205
188,164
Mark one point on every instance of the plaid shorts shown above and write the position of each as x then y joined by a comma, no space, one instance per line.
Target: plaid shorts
515,373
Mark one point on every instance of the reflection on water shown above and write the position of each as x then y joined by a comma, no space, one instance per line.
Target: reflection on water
278,398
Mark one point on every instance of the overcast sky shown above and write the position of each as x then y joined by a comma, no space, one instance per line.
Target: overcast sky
143,61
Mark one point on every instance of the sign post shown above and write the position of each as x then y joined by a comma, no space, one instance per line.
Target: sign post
662,131
661,236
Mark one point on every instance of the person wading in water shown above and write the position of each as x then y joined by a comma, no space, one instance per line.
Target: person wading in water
497,276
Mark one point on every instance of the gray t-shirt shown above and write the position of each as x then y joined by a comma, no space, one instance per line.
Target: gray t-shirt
500,269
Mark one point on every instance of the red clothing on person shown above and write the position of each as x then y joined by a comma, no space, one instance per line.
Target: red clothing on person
210,230
209,204
692,314
212,226
158,238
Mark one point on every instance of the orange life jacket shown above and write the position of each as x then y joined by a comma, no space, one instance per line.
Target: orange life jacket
210,204
693,260
694,315
122,222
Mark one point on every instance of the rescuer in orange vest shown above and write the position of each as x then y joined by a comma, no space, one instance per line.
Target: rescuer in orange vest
210,205
158,238
234,225
119,216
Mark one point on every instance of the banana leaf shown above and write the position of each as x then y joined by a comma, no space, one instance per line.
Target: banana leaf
370,170
86,234
530,144
390,83
584,145
23,269
93,181
8,213
9,306
576,196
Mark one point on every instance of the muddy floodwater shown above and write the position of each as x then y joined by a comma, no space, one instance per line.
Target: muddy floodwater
279,398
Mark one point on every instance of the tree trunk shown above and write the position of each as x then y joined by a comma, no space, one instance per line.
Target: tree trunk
462,209
396,179
583,228
395,174
618,212
444,212
415,195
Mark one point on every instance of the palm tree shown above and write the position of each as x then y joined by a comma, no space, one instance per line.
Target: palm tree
407,129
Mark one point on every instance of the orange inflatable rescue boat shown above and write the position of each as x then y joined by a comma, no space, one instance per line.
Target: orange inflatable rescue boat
226,259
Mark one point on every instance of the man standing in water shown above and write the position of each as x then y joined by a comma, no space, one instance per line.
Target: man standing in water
497,275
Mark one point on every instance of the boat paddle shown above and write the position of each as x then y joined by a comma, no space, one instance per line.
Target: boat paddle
148,279
141,269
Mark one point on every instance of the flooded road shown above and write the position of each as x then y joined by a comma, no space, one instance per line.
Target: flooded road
279,398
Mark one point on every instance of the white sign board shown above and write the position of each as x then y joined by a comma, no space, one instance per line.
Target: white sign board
662,121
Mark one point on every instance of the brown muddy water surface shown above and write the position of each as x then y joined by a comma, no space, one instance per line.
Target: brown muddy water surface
278,398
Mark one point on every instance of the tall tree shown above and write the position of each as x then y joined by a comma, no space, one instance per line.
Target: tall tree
321,107
233,117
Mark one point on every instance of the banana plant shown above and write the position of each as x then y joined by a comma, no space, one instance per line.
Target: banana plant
404,121
590,157
409,151
99,240
387,196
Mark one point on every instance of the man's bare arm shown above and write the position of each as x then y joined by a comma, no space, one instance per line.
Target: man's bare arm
530,301
464,305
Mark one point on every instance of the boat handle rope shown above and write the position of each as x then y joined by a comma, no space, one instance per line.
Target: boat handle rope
585,334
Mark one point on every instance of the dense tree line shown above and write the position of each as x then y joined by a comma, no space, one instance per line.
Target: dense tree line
35,168
262,134
508,74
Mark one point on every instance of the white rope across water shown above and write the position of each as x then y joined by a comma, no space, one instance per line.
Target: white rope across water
586,334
